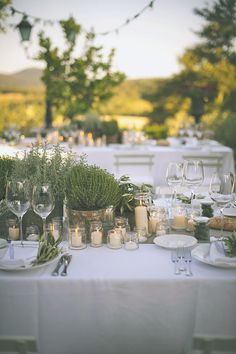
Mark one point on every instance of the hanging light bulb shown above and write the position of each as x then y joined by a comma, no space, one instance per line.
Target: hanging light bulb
25,28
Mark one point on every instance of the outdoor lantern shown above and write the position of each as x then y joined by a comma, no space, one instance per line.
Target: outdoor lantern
25,29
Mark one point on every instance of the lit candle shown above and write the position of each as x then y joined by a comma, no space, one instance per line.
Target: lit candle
190,225
13,233
115,239
179,222
141,219
76,238
96,238
153,223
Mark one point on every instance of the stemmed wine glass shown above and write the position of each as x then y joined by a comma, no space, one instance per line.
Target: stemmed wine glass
174,177
221,191
43,202
18,200
193,175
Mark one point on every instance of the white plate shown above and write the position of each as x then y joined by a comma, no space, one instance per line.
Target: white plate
229,212
199,253
30,266
3,243
175,241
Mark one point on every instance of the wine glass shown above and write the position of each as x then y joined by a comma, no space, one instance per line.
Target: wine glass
174,177
18,200
221,191
193,175
43,202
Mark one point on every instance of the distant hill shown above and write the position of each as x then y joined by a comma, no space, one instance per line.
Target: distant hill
24,80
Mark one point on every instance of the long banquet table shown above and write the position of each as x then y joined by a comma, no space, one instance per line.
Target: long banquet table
105,157
118,301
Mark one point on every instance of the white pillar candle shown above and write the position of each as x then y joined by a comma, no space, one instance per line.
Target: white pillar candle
115,239
179,222
141,219
13,233
76,238
96,238
153,223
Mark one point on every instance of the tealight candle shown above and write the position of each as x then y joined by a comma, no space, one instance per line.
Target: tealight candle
13,233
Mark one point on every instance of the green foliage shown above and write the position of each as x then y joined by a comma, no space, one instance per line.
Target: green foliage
156,131
110,128
92,124
230,243
88,187
207,210
6,166
44,164
75,85
4,5
48,249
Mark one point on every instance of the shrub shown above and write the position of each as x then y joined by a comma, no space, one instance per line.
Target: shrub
156,131
6,166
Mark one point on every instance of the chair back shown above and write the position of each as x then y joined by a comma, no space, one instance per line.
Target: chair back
18,344
136,165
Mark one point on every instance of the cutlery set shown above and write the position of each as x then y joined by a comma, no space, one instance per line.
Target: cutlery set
63,261
182,259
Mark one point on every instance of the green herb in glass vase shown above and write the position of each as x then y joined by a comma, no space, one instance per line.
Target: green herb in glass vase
230,243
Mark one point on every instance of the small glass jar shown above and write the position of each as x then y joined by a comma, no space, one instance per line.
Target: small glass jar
142,234
201,229
191,214
131,241
122,224
114,239
179,218
96,233
32,233
13,229
77,237
157,219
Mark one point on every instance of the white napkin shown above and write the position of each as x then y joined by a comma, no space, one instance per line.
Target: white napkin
217,254
23,256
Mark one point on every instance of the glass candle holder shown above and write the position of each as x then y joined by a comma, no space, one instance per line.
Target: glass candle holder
142,234
32,233
114,239
77,237
131,241
122,225
13,229
96,233
179,218
142,201
157,216
191,214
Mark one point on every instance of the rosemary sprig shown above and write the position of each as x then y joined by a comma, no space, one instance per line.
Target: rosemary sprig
48,249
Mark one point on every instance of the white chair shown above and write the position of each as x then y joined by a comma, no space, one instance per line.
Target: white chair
18,344
208,344
137,166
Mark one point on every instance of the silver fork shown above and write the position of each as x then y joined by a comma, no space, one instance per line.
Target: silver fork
180,254
175,260
188,260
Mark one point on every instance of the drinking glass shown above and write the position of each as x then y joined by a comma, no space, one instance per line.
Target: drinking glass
43,202
174,177
221,191
18,201
193,175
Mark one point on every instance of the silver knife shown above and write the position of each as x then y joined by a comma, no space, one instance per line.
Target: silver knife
66,262
58,266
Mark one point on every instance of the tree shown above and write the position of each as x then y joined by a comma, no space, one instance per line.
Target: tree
4,4
75,85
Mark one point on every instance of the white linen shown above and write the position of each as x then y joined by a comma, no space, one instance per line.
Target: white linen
217,253
22,256
116,301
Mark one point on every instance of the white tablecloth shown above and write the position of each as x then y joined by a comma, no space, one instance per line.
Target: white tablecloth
118,301
104,157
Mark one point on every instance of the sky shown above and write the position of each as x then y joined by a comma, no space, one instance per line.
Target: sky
147,47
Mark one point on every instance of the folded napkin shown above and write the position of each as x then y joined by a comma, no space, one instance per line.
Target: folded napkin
23,256
217,253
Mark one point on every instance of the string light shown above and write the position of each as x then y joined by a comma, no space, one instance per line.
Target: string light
37,20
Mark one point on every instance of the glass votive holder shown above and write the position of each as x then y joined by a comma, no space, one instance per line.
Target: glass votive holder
13,229
77,237
96,233
122,225
179,218
191,214
32,233
114,239
131,241
201,228
156,216
162,228
142,234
